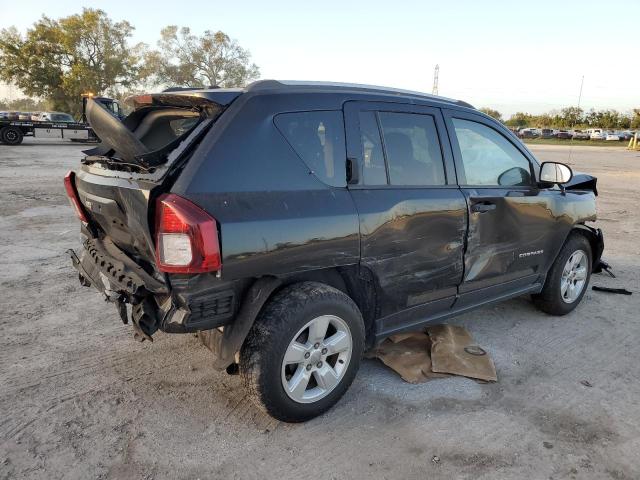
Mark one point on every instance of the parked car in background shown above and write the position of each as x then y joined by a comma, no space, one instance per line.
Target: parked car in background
546,133
596,134
580,135
11,116
60,117
254,220
24,116
612,137
564,134
528,133
625,135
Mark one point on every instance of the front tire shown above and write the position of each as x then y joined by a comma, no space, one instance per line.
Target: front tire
568,277
303,351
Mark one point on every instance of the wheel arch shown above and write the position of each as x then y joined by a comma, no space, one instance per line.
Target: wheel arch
596,240
356,282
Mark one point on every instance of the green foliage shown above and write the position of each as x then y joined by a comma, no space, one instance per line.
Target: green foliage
519,119
492,113
573,117
569,117
60,59
635,119
25,104
185,59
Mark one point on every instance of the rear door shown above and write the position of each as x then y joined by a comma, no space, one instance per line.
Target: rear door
412,214
511,221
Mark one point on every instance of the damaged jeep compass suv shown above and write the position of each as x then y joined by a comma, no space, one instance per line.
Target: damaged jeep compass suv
293,225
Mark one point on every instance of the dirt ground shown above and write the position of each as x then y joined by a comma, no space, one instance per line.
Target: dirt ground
80,399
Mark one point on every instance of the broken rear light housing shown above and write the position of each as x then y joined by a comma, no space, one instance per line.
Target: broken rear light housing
186,237
72,193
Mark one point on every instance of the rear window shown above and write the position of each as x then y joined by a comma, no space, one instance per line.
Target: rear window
182,125
318,139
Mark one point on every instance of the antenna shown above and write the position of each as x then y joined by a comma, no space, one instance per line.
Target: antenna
579,100
580,95
436,71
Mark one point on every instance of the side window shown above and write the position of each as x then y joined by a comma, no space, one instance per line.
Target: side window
489,158
373,169
412,149
318,139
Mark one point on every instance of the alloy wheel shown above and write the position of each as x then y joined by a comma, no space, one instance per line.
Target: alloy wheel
574,276
316,359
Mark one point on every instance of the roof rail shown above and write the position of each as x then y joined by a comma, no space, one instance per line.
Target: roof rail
284,84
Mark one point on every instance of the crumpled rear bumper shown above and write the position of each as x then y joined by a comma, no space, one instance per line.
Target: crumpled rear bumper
113,273
154,305
121,280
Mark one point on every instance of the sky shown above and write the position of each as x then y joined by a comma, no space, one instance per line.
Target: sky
508,55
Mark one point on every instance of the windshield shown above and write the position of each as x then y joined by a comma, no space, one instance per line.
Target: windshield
61,117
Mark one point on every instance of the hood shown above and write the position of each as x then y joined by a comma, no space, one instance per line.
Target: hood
582,181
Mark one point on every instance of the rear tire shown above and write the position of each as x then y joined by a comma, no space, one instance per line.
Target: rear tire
568,278
303,351
11,135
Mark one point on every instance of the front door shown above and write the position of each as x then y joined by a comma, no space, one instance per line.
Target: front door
412,215
511,221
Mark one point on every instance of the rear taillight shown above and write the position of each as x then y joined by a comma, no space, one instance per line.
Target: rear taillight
72,193
186,237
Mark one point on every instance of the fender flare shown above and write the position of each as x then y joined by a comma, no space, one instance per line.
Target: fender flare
224,344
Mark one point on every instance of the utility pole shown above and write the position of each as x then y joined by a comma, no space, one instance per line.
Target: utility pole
580,95
436,71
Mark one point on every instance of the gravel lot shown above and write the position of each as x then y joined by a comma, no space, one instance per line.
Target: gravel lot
80,399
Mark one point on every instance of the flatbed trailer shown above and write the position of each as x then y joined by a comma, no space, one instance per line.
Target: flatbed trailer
12,132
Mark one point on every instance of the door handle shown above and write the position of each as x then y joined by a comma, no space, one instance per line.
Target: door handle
482,207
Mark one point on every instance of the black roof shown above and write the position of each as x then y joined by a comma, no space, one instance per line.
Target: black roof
291,86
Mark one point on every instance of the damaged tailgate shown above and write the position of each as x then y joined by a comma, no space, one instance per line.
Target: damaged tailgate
115,192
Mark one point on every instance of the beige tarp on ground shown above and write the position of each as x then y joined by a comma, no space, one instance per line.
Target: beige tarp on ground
442,351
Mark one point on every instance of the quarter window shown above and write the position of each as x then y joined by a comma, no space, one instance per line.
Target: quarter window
412,149
318,139
489,158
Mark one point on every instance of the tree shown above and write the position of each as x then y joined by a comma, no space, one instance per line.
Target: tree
60,59
213,59
23,105
519,119
609,119
544,120
571,116
492,113
635,119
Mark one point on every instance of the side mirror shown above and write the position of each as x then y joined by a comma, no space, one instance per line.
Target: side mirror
552,172
515,176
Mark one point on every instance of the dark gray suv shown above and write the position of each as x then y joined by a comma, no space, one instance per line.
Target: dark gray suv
293,225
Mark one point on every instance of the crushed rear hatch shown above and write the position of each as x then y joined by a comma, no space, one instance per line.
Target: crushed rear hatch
137,161
116,188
